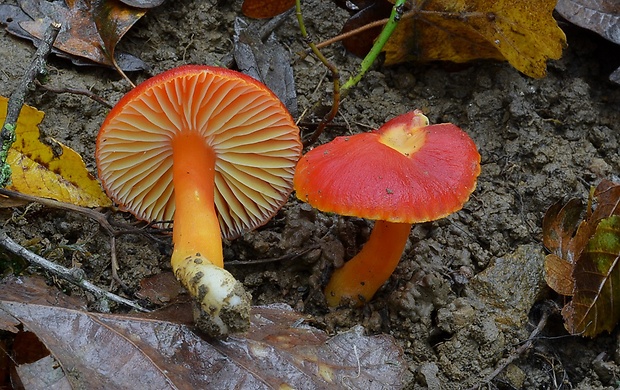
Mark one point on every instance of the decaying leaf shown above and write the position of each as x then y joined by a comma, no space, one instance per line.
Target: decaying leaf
559,274
600,16
261,9
522,32
89,29
38,170
584,260
268,62
279,351
559,226
595,306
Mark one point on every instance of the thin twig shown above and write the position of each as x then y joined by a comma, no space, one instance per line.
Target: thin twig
348,34
75,91
97,216
290,256
101,218
75,276
120,71
114,265
335,76
518,352
16,101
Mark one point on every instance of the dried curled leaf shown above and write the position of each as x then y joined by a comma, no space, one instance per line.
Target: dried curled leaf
584,260
559,274
261,9
40,171
595,306
89,29
559,226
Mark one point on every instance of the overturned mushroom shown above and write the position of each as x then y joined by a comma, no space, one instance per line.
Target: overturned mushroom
209,148
403,173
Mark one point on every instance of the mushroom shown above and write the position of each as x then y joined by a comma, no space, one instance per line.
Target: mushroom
403,173
208,148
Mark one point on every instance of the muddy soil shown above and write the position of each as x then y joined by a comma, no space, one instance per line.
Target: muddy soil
469,288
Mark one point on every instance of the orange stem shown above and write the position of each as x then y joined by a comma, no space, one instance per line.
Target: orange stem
196,229
365,273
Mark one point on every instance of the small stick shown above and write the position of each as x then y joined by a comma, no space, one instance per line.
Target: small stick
335,75
16,101
351,33
290,256
518,352
75,91
75,276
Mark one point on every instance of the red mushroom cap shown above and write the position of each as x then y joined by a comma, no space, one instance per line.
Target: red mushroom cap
406,171
254,138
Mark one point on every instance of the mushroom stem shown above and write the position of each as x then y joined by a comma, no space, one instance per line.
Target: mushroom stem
364,274
197,260
196,228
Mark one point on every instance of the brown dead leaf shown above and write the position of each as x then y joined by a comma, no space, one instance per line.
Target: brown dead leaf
261,9
90,28
607,194
584,260
559,275
279,351
559,226
40,171
595,306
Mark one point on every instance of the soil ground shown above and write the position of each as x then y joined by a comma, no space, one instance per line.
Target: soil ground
469,288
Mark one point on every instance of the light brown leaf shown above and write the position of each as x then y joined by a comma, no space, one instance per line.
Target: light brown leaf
558,275
279,351
90,28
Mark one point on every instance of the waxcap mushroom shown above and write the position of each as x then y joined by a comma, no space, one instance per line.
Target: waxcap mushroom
255,140
403,173
406,171
213,149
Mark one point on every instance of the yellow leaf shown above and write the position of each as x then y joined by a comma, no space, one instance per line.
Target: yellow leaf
37,170
523,32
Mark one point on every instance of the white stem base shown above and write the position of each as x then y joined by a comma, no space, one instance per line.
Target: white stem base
224,305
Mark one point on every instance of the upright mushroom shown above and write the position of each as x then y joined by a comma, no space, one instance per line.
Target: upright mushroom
209,148
403,173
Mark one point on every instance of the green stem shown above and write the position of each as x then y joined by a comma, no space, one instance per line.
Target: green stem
386,33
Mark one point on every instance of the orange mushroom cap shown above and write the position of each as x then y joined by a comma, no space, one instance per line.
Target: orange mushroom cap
255,141
404,172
